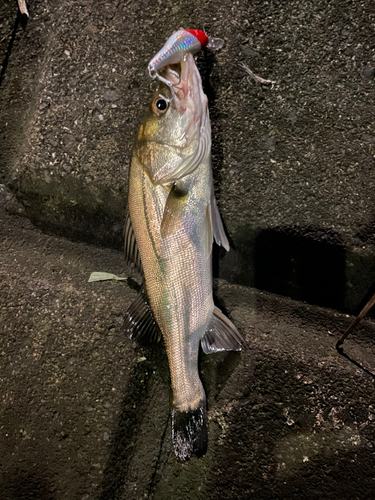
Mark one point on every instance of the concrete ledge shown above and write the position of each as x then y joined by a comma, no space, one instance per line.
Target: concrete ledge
293,164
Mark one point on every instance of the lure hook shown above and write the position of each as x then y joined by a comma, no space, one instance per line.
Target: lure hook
154,74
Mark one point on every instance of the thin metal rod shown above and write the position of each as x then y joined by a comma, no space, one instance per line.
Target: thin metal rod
363,313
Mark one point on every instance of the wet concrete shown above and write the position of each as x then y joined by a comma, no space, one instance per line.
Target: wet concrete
84,411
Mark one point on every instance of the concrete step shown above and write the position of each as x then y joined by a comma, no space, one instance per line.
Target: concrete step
293,164
85,412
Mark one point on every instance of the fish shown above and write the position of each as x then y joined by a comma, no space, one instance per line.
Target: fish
172,222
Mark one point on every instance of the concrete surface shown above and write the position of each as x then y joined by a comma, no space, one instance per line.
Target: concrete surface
293,164
84,411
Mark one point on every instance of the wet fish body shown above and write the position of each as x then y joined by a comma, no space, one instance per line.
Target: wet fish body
173,219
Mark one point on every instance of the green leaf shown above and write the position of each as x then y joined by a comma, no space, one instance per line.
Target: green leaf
104,277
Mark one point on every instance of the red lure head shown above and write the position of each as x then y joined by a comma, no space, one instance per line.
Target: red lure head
200,35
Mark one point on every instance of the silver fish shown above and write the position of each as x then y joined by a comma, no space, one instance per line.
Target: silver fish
169,235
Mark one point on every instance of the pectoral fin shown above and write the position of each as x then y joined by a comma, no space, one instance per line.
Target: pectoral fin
139,322
132,255
221,335
174,211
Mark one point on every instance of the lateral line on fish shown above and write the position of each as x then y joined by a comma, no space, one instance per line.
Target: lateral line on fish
145,213
169,146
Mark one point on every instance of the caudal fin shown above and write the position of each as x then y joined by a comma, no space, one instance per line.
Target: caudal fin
190,432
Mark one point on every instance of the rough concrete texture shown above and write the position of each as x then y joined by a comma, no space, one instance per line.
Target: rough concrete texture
293,164
84,411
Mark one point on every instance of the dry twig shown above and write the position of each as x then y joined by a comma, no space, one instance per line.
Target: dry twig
256,77
23,7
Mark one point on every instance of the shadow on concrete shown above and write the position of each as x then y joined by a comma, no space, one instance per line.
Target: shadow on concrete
216,369
125,436
366,298
366,231
305,264
4,65
207,63
369,294
25,485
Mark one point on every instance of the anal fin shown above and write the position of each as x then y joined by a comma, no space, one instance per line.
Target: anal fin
221,335
139,322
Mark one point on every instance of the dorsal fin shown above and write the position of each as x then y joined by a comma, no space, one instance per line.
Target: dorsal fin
139,322
208,233
219,233
131,251
221,335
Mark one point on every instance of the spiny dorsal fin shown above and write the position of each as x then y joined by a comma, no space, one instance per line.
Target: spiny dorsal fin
139,321
219,233
208,233
132,255
174,211
221,335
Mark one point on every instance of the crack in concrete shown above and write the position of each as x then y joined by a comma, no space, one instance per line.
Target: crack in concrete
5,61
154,480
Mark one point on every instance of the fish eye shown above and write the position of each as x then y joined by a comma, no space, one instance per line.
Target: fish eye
159,106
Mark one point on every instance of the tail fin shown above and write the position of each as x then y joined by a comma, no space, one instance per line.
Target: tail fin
190,431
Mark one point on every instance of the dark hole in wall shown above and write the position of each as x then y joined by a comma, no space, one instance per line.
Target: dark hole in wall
308,265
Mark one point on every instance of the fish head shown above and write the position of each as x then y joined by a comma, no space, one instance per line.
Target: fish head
176,135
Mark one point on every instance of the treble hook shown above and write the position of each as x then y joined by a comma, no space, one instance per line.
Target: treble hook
154,74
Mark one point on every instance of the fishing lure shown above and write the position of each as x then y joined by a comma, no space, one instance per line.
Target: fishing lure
174,49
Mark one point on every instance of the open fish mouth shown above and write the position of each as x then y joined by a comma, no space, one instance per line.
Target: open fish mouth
187,85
